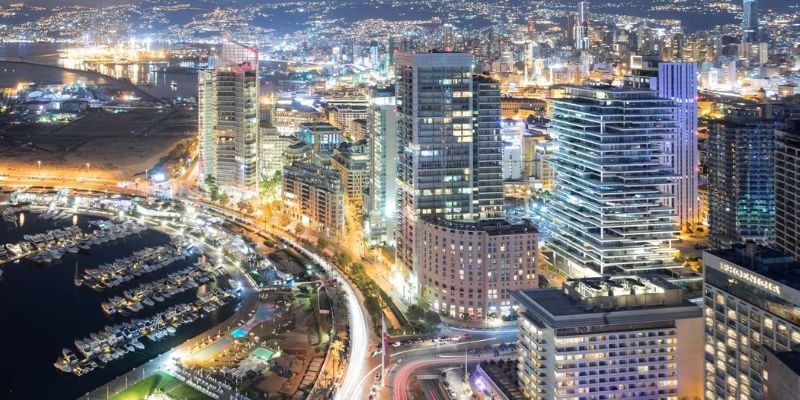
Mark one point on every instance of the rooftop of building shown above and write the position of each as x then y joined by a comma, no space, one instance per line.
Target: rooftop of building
490,226
295,106
318,126
311,173
604,295
765,261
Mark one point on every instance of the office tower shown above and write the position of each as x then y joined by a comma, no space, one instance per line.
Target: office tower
315,197
468,269
356,57
228,117
374,56
750,21
448,37
752,298
582,26
612,179
382,199
787,190
677,81
569,32
444,158
625,337
741,178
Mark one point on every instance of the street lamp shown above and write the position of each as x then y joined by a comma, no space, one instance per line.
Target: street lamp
40,166
87,167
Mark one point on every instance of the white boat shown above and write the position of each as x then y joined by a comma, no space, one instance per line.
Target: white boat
14,248
72,247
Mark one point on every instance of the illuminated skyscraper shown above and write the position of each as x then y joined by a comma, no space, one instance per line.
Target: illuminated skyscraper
582,26
787,190
382,198
750,21
741,177
448,37
228,117
609,207
449,145
678,82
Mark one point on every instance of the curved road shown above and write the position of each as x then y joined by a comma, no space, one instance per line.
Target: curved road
352,384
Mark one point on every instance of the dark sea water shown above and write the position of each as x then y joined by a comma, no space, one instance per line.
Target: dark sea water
41,311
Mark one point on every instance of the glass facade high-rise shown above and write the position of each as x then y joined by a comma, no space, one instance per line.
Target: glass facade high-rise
228,117
787,190
449,145
741,178
676,81
382,197
750,21
609,208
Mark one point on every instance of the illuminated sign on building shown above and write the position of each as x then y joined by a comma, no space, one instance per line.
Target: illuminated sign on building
750,277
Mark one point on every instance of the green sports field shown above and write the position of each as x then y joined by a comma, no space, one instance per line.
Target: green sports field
163,382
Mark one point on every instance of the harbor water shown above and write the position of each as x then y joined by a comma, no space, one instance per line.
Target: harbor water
42,312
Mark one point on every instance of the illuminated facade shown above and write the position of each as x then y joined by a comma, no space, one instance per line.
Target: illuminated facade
382,196
752,305
609,338
228,118
609,206
314,196
450,150
750,21
741,177
467,270
322,137
351,161
787,190
288,117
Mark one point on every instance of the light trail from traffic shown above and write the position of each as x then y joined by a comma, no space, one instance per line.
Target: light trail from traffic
359,336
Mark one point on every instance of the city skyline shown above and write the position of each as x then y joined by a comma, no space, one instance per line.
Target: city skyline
399,199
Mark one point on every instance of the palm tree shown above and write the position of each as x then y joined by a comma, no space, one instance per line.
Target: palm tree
337,347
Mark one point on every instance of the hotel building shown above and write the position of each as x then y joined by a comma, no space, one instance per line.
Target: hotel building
626,337
468,270
752,306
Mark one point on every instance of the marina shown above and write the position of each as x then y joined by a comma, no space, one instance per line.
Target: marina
140,263
60,312
52,244
150,293
114,341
